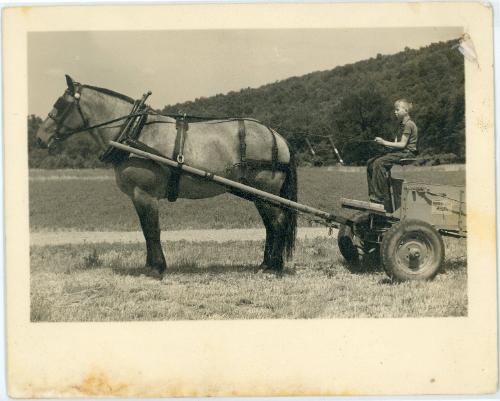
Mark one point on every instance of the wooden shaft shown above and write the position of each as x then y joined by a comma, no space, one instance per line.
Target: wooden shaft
233,184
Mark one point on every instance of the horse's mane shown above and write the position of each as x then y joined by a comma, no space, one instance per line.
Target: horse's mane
110,92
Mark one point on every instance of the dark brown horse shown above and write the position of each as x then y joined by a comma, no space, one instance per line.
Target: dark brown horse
213,145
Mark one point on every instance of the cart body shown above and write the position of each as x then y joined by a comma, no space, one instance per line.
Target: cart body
442,206
407,239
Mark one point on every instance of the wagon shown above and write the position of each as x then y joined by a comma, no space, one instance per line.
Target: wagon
405,234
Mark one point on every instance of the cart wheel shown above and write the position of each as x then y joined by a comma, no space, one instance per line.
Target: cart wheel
356,260
346,244
412,250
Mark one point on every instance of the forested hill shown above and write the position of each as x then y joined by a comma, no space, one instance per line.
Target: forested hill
355,101
349,103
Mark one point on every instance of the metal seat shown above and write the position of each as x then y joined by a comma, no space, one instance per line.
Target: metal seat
392,203
400,162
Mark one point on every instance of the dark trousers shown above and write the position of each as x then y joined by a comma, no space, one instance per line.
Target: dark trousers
377,174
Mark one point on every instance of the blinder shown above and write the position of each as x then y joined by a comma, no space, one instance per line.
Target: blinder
61,109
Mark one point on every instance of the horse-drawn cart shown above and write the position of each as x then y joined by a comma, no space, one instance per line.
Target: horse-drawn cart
406,235
405,232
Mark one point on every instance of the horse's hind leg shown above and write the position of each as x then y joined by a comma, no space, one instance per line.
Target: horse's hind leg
274,219
264,214
147,210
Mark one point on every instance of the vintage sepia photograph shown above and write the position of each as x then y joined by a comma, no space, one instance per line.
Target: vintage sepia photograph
259,168
271,201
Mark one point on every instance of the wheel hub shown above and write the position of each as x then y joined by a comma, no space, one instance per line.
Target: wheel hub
413,253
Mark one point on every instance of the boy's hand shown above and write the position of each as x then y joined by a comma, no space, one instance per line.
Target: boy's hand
379,140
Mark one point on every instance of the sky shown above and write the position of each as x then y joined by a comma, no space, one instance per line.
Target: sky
178,66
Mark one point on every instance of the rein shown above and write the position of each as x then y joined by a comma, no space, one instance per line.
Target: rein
63,108
87,127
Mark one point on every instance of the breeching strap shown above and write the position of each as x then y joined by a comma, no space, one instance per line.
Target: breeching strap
243,150
246,163
274,157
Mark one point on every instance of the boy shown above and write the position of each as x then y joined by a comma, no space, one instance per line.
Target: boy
404,146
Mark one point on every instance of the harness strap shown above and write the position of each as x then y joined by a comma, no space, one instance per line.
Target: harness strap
182,127
243,150
131,129
245,163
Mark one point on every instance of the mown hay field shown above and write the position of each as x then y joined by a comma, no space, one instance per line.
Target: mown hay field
107,282
213,280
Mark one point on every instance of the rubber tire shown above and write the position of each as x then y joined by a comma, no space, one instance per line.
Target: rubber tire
425,237
346,245
356,261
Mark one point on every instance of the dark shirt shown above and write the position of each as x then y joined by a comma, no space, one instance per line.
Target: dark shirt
409,128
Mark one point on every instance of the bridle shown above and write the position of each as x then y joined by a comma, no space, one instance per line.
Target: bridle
63,108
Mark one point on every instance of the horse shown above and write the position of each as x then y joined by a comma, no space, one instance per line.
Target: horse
260,158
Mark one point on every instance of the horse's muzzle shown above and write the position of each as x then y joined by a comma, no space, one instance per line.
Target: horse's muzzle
54,146
40,144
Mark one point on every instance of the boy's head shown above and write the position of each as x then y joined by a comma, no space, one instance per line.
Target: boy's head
402,108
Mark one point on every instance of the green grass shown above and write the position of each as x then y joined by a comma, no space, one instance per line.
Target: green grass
219,281
96,204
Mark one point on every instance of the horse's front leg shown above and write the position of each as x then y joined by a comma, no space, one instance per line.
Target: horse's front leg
144,182
147,210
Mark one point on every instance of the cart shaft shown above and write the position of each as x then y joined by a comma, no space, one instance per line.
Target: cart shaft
262,195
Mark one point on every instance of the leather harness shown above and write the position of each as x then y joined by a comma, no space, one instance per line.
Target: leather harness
182,127
135,122
131,129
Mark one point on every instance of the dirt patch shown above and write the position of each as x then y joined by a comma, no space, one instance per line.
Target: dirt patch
72,177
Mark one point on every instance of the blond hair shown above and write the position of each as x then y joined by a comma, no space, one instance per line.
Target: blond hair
405,103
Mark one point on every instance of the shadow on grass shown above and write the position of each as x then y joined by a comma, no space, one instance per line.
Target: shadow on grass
362,267
453,265
194,269
137,271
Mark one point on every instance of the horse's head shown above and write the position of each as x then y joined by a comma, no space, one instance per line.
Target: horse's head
65,117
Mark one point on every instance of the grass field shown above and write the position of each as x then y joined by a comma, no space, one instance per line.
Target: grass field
219,281
210,280
91,201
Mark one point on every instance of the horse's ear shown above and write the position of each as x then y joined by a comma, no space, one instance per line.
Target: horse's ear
71,84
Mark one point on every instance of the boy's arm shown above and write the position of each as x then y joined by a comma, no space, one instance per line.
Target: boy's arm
395,145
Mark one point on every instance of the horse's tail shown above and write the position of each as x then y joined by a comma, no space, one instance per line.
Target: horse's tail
289,191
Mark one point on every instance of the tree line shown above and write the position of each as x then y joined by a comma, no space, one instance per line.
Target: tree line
347,105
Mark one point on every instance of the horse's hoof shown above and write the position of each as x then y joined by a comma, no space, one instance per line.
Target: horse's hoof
152,273
156,271
271,270
157,275
263,267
